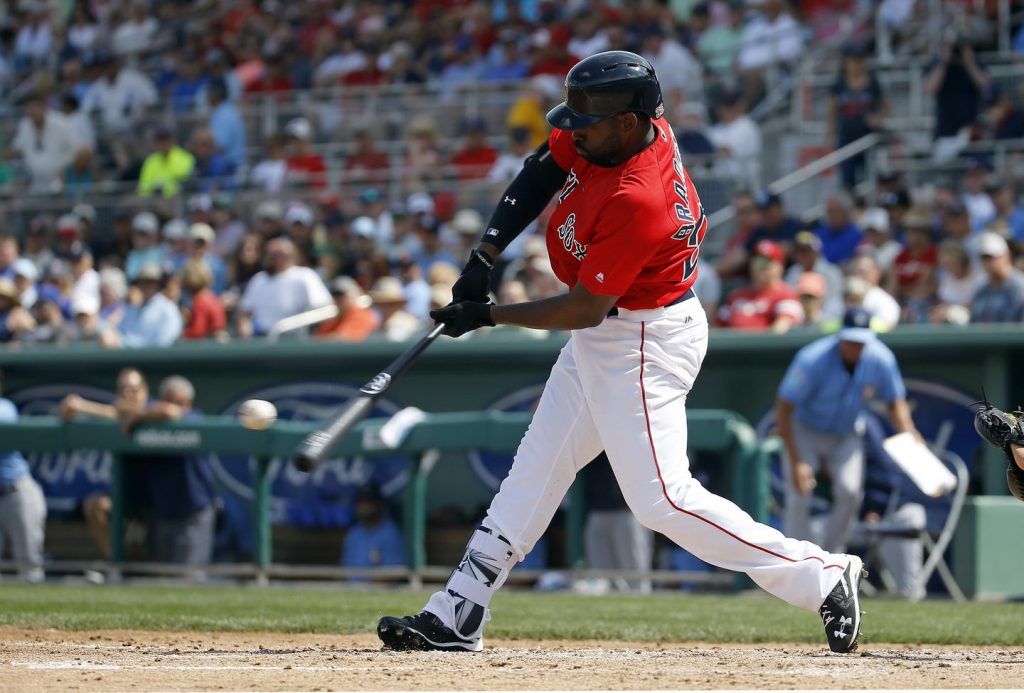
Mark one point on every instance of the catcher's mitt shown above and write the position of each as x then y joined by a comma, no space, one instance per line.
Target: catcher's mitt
1002,430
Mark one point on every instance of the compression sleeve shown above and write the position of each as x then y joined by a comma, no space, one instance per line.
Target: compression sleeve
525,197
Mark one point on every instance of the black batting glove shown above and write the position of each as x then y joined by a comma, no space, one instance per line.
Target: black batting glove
474,283
465,316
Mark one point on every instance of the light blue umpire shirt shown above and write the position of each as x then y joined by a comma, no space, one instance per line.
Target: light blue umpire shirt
12,464
826,397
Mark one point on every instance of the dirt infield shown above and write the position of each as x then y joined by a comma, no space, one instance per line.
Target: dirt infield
120,660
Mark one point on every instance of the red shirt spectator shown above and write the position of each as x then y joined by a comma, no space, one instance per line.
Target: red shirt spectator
206,317
911,265
476,157
304,165
367,163
355,320
768,302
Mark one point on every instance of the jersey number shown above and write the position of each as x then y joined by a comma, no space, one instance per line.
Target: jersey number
690,230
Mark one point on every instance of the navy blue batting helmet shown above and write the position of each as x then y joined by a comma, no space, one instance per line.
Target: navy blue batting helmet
605,85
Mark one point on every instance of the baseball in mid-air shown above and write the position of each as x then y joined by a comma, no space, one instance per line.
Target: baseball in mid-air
257,414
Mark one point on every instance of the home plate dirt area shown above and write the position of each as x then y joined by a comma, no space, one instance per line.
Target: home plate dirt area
52,660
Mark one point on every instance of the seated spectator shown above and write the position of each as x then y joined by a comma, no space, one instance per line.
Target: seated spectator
875,223
50,324
188,82
121,94
181,487
737,140
375,540
87,327
1001,119
423,157
113,292
145,248
211,170
476,156
81,174
37,246
22,507
811,289
226,123
151,319
46,142
132,396
708,287
839,235
692,131
367,164
177,246
136,31
912,281
25,277
1008,210
204,312
304,166
270,174
1001,297
166,168
980,207
510,161
432,246
955,225
958,282
733,260
876,300
282,289
768,303
15,321
274,78
807,258
8,255
719,45
396,323
202,237
776,225
355,320
772,37
680,75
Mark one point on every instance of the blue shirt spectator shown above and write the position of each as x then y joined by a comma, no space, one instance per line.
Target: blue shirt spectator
157,321
839,235
827,396
373,546
1001,298
227,126
12,464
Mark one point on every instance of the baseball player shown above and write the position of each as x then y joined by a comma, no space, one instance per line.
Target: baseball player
819,412
624,237
1006,432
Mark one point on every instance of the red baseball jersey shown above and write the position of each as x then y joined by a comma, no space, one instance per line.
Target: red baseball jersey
749,308
632,230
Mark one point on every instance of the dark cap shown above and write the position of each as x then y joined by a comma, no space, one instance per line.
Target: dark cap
856,326
768,199
895,198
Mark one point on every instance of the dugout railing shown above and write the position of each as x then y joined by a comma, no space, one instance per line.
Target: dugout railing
717,431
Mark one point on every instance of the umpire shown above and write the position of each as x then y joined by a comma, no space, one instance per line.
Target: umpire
819,412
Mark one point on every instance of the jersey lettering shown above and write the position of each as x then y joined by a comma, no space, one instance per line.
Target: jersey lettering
571,183
567,232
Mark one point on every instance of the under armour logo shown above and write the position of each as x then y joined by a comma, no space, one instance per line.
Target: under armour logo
600,277
510,200
844,621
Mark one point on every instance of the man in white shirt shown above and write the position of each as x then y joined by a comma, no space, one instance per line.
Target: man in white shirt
772,37
737,139
876,300
46,141
679,73
120,94
282,290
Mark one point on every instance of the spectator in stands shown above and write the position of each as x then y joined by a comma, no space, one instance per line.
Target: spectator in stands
776,225
432,246
807,257
1001,298
15,321
505,60
181,487
305,167
692,131
708,288
613,539
417,290
145,248
839,234
8,255
1008,211
113,292
151,319
50,324
737,140
37,246
958,84
211,169
121,94
176,246
46,142
874,221
876,300
811,289
396,323
269,175
136,32
767,303
771,38
733,260
202,237
355,320
423,157
375,540
476,156
912,281
719,45
510,161
22,506
86,280
189,81
1001,119
958,282
164,171
857,108
226,124
980,207
679,73
34,42
274,79
282,289
87,327
83,30
25,277
81,126
203,311
955,224
367,164
81,174
529,109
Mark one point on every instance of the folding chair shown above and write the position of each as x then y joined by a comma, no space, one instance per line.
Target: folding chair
934,546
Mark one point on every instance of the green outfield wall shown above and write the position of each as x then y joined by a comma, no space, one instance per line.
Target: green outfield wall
741,372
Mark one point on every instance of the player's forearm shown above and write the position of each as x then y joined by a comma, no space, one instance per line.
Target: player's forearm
555,313
784,422
101,411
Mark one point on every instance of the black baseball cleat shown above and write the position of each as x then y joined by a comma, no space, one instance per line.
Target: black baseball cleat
840,612
424,631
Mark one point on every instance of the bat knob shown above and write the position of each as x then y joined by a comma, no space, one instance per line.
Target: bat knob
304,463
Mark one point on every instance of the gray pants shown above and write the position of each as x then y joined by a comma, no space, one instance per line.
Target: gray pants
23,523
615,540
843,457
188,540
904,558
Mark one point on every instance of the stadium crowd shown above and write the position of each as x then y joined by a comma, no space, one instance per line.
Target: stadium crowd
222,229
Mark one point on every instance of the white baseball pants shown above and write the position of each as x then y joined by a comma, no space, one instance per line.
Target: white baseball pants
621,387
